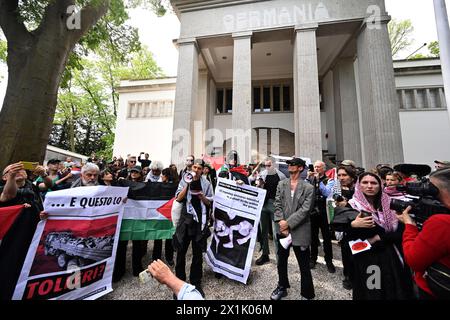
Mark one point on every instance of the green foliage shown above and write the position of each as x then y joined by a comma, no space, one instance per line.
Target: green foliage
87,107
400,35
3,50
142,66
417,56
433,52
433,47
87,102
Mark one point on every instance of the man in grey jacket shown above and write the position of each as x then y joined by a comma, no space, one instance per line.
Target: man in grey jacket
293,203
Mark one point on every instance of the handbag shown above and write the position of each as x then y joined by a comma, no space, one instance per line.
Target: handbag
438,280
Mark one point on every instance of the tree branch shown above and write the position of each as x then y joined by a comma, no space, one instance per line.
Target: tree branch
14,30
90,15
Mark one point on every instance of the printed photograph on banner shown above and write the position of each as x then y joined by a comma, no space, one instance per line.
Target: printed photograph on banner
71,244
236,215
72,254
231,238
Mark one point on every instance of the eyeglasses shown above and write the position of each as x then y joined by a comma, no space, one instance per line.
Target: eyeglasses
132,161
268,165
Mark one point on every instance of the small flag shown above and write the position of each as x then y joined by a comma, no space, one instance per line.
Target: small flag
7,217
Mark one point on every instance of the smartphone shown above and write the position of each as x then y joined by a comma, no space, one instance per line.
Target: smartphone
365,214
311,168
29,165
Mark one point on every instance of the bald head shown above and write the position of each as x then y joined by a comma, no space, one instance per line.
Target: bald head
319,167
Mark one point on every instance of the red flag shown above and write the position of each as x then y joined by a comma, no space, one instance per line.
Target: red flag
240,170
216,162
331,174
166,209
7,217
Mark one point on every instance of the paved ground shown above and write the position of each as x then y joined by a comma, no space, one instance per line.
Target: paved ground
262,281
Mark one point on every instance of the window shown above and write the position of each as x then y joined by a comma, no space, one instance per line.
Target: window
256,99
421,98
150,109
266,99
286,98
276,99
229,100
224,100
220,101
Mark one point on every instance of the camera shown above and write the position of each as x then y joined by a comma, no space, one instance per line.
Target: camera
311,168
365,214
338,197
421,196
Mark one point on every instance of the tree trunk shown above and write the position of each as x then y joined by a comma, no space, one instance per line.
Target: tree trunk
30,102
36,62
72,129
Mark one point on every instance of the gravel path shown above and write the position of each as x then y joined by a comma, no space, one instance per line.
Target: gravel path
262,281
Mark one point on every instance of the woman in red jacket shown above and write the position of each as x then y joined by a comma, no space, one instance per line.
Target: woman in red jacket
432,244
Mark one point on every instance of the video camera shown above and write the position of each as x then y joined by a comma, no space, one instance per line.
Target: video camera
422,198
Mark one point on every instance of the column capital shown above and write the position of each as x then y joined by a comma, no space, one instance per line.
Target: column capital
186,41
371,21
306,27
244,34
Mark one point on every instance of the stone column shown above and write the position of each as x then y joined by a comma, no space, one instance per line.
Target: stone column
186,97
242,96
201,114
308,140
348,140
379,102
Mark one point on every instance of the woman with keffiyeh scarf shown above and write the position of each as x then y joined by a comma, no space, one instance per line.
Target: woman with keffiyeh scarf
384,233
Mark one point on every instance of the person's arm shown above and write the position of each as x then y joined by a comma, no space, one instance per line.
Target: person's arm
423,249
164,275
302,214
47,182
182,191
10,189
326,190
208,197
68,176
278,204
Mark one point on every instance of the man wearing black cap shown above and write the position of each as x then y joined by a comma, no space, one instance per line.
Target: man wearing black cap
56,180
293,203
441,164
196,195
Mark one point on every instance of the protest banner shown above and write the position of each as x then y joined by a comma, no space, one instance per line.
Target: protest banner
72,252
236,214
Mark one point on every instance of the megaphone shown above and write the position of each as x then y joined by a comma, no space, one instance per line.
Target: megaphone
188,177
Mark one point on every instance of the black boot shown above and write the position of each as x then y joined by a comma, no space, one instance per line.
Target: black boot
262,260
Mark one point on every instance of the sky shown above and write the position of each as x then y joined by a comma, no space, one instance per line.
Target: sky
158,33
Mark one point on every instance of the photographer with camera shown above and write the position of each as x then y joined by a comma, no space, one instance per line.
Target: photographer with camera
428,252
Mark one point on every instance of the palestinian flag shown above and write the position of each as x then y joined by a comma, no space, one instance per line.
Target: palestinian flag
215,162
147,213
7,217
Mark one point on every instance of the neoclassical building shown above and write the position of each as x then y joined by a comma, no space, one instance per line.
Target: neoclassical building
311,78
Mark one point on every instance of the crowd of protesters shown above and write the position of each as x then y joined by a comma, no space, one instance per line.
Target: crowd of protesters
284,213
